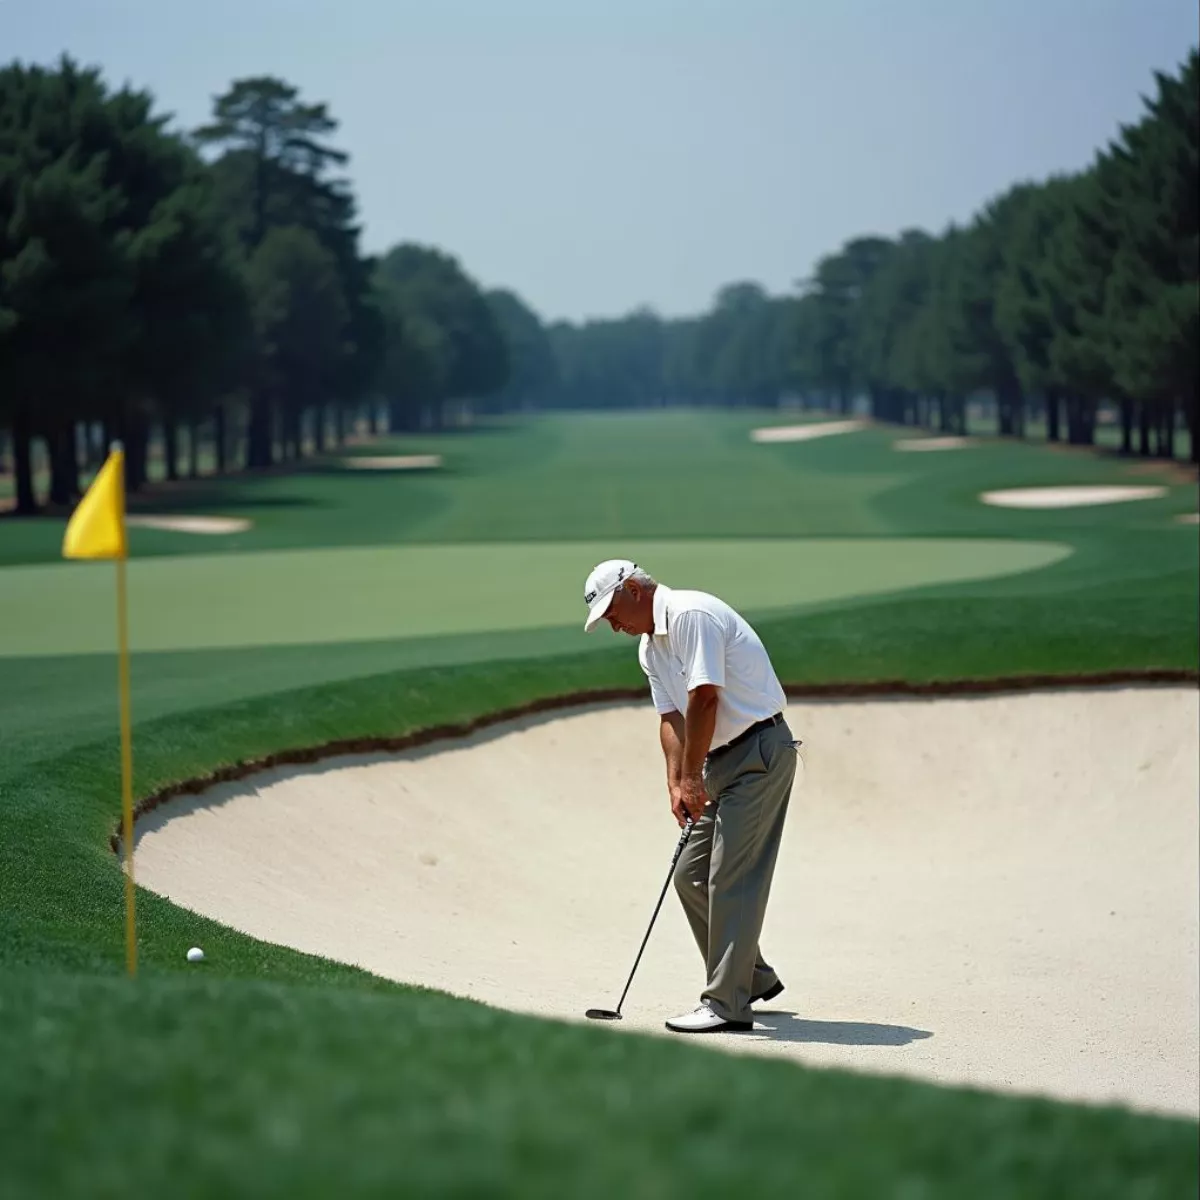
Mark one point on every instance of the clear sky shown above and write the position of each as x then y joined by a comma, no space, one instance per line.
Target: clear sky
596,155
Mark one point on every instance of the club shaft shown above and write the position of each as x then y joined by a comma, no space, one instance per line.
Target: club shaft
687,832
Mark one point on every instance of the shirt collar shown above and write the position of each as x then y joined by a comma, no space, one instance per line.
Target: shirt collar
662,615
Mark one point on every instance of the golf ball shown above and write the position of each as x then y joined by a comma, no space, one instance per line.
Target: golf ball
195,954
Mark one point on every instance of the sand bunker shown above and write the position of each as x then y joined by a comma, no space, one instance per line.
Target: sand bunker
1069,497
190,524
1188,518
933,443
393,462
998,891
805,433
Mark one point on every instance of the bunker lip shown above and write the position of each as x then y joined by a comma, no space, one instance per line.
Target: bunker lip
420,738
1070,495
933,964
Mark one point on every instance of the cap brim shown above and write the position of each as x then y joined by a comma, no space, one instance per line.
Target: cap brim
598,609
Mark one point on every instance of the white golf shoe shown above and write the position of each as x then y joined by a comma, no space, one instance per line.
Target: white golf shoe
704,1020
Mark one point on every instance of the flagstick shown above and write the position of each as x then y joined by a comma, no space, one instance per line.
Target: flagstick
126,770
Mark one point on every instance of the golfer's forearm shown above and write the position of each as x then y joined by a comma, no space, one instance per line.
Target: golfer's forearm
698,729
671,735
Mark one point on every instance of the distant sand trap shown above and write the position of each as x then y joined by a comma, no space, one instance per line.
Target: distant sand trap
394,462
998,891
1188,518
191,524
1069,497
937,443
805,433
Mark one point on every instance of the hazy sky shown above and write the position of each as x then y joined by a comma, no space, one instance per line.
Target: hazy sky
595,156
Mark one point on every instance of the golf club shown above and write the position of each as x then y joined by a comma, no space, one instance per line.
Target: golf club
610,1014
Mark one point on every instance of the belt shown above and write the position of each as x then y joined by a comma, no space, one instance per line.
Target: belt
757,727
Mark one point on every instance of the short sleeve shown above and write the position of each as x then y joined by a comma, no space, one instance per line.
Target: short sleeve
658,694
700,644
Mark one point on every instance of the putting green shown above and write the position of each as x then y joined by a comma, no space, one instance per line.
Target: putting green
371,592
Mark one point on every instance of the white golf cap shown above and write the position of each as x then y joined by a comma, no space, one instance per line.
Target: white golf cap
601,586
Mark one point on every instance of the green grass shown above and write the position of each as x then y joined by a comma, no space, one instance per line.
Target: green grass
268,1072
356,593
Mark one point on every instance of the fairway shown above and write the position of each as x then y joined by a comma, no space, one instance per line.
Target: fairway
278,598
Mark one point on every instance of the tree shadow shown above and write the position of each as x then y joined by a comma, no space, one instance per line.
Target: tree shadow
783,1025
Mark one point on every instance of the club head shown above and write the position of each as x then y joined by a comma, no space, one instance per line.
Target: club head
602,1014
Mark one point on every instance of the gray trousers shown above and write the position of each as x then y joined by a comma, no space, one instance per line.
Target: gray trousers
724,874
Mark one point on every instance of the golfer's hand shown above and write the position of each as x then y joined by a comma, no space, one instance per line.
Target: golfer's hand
677,809
688,798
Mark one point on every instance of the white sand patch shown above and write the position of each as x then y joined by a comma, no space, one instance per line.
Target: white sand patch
933,443
208,525
393,462
996,891
805,433
1069,497
1188,518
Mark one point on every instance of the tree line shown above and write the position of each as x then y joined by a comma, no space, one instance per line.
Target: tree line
209,287
1056,298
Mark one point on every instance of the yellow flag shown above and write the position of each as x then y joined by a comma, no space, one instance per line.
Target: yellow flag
97,526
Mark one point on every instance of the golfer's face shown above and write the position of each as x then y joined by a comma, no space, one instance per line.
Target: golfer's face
621,612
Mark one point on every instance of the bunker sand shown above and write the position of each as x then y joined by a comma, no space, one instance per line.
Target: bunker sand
995,891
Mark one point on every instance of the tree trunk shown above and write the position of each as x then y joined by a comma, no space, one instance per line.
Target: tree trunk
1004,416
1018,413
170,436
219,437
1166,436
193,467
319,428
259,448
1126,407
136,442
1053,428
960,415
339,424
1189,415
1087,421
1143,414
22,462
64,465
373,418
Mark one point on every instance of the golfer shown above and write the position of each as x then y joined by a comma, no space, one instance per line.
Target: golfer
731,761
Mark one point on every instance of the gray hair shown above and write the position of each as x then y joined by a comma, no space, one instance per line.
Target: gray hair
644,578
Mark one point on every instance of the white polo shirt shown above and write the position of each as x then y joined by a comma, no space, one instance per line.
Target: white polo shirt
700,639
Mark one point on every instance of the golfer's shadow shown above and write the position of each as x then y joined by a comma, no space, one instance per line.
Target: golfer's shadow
783,1025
